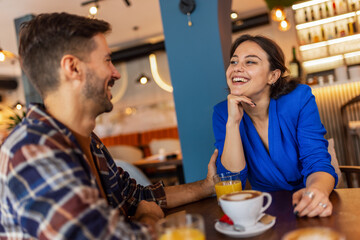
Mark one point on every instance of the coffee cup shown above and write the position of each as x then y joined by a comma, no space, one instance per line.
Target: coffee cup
245,208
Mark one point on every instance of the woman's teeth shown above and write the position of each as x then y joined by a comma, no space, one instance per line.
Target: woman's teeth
238,79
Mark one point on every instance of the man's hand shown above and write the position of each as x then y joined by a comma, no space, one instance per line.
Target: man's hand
149,213
212,169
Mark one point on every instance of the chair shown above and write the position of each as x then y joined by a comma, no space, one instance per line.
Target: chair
170,145
350,112
134,172
334,161
126,153
165,145
352,175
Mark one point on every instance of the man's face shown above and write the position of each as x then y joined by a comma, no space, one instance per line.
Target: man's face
100,76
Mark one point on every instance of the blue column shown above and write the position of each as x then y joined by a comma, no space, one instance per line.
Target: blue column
31,94
196,60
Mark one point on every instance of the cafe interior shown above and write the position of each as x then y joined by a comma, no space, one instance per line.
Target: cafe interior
172,57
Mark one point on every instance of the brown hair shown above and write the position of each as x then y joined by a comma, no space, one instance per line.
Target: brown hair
45,39
276,59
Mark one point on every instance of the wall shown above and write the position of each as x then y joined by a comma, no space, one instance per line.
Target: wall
141,107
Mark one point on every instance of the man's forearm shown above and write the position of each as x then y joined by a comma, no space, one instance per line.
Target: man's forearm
186,193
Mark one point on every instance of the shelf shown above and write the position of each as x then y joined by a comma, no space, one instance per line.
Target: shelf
336,83
329,42
326,20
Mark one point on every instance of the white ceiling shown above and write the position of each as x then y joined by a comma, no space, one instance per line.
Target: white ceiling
142,13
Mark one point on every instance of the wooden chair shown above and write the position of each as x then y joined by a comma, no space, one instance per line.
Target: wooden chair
350,112
126,153
352,175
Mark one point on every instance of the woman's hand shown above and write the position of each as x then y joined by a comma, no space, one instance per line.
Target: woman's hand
311,202
235,108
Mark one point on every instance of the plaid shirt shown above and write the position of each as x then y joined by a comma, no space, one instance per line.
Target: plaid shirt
47,189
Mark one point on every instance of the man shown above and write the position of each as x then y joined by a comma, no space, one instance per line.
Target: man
58,181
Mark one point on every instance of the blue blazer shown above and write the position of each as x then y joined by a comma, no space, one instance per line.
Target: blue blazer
297,147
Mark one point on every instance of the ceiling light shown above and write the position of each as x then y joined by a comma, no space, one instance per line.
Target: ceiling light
234,15
93,10
155,73
143,79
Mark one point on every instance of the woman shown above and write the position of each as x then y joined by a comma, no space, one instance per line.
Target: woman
269,129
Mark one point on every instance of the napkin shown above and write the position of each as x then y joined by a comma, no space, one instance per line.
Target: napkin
266,219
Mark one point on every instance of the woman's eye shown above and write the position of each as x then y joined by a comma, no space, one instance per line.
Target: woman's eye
233,62
250,62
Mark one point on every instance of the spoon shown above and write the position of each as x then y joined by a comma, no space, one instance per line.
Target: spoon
238,228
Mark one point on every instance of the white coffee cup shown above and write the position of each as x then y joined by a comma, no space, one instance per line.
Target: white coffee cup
246,207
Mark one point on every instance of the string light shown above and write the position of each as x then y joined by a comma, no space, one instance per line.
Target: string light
18,106
2,56
284,25
278,14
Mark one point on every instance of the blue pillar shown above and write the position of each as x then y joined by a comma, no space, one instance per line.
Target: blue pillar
196,60
31,94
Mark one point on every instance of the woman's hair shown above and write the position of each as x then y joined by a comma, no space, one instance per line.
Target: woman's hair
277,61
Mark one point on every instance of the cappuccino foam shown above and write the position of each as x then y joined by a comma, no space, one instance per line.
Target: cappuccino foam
313,233
241,196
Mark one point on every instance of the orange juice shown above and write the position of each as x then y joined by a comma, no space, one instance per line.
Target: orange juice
226,187
184,233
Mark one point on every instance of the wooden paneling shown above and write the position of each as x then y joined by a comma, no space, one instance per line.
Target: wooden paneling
329,100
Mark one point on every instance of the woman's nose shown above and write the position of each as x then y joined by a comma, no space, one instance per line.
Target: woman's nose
239,67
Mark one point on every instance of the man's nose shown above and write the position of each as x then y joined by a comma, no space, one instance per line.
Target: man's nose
115,73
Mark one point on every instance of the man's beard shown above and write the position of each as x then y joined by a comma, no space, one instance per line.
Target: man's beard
96,93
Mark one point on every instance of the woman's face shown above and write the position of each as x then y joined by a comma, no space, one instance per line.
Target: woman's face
249,71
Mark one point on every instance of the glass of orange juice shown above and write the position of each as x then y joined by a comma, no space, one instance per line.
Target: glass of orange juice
181,227
227,183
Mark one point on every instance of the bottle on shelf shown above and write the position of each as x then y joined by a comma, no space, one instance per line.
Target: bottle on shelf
321,13
350,27
352,5
294,66
316,36
323,36
312,14
342,30
336,32
334,7
327,11
306,16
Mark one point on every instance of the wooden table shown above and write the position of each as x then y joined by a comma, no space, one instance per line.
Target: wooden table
146,163
345,217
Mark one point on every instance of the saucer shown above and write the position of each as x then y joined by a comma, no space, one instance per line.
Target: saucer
259,228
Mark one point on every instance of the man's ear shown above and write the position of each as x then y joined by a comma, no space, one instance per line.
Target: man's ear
71,67
274,76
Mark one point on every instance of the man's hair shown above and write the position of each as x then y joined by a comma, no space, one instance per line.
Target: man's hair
45,39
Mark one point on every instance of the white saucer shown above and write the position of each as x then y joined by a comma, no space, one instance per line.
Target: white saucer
249,232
